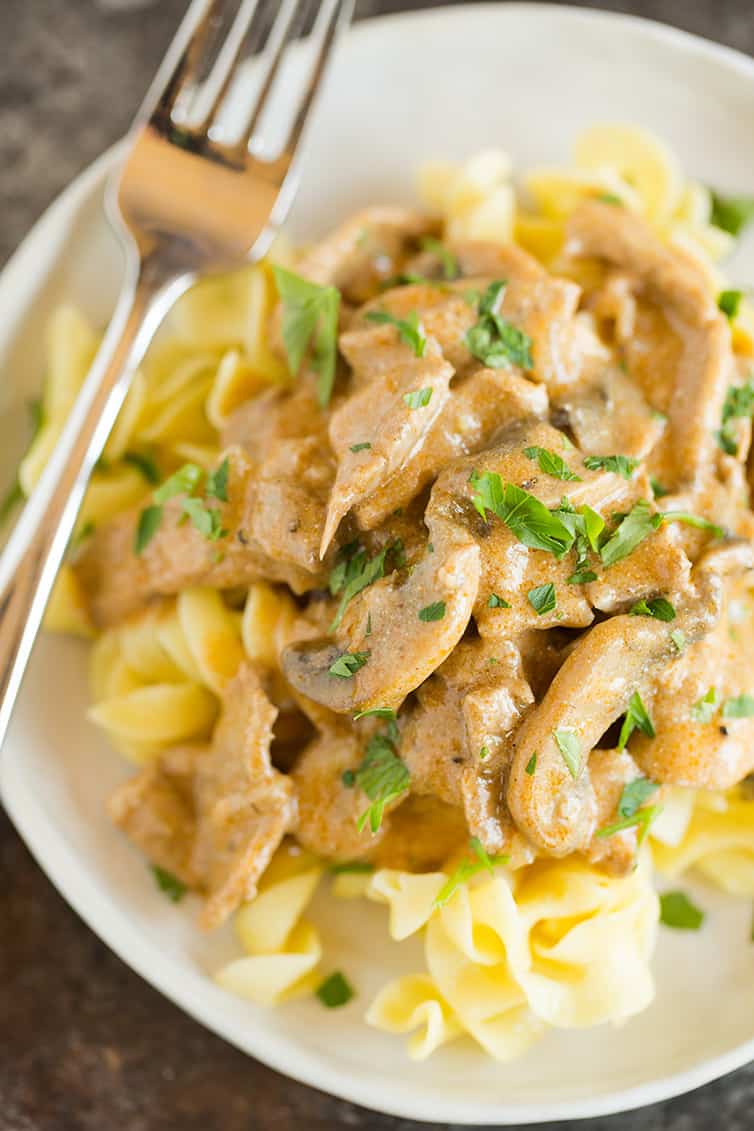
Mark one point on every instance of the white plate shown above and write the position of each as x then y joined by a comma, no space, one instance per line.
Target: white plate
404,89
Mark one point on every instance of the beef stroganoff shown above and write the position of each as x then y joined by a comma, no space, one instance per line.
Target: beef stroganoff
419,564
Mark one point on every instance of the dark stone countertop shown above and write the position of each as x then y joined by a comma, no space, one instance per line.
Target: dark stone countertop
85,1045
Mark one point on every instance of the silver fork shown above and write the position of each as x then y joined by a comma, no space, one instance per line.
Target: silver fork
183,203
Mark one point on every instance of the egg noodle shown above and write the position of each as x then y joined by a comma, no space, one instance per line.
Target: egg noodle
514,944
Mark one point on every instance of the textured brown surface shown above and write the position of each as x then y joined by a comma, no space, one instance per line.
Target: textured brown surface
85,1045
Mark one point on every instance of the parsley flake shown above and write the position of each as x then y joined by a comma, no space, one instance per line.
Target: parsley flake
310,321
570,747
363,447
496,602
172,887
705,708
484,753
448,261
551,463
637,717
409,330
740,707
435,611
738,405
146,528
383,777
624,466
145,464
467,869
184,481
419,398
523,514
348,664
657,607
677,910
631,530
354,572
542,598
217,482
678,636
728,302
351,867
377,712
335,991
731,213
494,340
531,765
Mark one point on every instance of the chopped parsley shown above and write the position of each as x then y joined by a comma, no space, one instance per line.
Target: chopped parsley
146,528
731,213
348,664
310,321
542,598
729,302
496,602
738,405
523,514
363,447
376,712
186,481
383,777
740,707
435,611
494,340
206,520
624,466
448,261
409,330
634,794
677,910
467,869
217,482
609,198
354,571
642,820
335,991
551,463
637,718
657,607
631,530
419,398
484,753
145,464
531,765
705,708
694,520
172,887
351,867
570,747
657,488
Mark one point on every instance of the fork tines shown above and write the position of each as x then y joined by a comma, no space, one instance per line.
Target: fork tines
216,38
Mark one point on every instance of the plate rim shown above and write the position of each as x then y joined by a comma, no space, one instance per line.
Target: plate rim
19,282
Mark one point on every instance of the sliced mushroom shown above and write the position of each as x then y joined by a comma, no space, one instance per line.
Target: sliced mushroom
680,287
608,415
718,752
388,623
555,808
382,426
510,569
477,409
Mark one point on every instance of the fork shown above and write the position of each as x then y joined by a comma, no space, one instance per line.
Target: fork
184,203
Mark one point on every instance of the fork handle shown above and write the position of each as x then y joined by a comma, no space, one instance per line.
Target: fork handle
37,546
